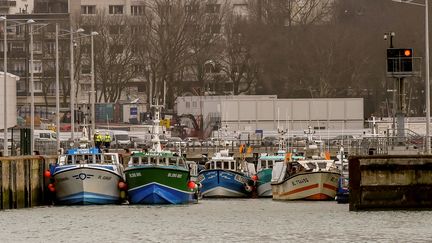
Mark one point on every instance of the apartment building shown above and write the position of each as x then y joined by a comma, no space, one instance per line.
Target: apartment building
43,55
16,7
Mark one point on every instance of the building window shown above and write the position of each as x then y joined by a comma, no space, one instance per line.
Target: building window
194,104
88,9
18,47
192,8
141,87
115,9
19,68
37,47
213,8
37,66
137,10
85,69
240,9
187,104
38,86
21,86
50,47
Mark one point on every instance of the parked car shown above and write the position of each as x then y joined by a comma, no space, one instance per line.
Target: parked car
270,141
342,139
208,143
175,142
120,139
193,142
139,142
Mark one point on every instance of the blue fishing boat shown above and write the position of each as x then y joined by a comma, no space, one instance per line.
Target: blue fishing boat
342,193
87,176
223,176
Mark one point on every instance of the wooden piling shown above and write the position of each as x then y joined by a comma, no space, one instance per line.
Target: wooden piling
22,182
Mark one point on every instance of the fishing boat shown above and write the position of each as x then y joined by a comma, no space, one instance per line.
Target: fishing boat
159,176
264,172
223,176
305,177
265,166
87,176
342,193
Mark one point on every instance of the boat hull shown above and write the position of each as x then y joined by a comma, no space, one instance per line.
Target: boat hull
342,194
158,185
224,183
320,185
264,183
86,184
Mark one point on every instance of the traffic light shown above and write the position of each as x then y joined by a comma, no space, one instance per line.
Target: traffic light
399,60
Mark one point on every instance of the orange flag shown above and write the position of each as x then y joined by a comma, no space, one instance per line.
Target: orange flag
327,155
288,157
249,150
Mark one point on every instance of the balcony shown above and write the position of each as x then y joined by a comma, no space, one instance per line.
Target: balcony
7,4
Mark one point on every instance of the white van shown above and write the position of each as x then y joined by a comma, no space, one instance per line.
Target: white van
120,139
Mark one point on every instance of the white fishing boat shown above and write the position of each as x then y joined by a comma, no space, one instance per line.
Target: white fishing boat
305,179
84,175
308,178
87,176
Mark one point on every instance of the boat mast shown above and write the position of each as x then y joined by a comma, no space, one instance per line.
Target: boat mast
156,125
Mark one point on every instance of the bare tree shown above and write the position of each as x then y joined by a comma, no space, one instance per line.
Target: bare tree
167,45
238,64
114,54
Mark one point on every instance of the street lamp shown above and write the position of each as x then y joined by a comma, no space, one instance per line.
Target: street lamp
57,87
5,147
93,95
427,86
72,81
71,33
5,136
32,102
389,35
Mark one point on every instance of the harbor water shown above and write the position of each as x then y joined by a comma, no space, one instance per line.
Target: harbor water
223,220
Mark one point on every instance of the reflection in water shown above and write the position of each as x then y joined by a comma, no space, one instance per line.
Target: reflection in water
214,221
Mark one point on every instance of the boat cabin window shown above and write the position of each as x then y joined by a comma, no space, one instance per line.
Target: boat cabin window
153,160
311,165
269,164
218,165
322,165
109,159
136,160
233,165
82,159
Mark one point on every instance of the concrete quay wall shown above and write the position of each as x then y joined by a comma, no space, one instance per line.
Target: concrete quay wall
390,182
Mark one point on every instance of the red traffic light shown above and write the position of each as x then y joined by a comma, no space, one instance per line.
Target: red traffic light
407,52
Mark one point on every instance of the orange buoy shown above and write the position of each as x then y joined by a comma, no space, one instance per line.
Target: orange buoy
191,185
254,177
122,185
51,187
47,173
